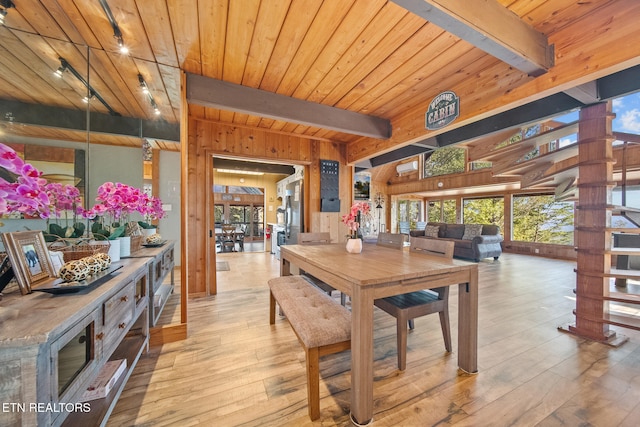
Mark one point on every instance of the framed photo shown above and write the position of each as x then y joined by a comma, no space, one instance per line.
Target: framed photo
362,186
29,258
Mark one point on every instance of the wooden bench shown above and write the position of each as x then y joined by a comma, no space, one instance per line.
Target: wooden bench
322,326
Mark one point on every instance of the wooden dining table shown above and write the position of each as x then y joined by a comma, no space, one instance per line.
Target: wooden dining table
379,272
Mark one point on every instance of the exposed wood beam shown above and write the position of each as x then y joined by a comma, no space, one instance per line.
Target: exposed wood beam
40,115
239,165
491,27
214,93
586,93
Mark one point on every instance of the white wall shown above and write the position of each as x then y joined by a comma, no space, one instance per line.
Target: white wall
169,193
115,164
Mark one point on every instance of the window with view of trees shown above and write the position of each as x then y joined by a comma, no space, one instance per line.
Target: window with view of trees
543,220
484,211
442,211
444,161
434,209
449,211
409,210
218,213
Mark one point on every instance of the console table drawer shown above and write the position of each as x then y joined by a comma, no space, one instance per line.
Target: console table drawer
118,315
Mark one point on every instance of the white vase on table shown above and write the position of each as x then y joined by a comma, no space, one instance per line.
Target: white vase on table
114,250
125,245
354,246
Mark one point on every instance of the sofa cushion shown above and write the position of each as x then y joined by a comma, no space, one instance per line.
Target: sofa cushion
432,231
454,231
441,225
490,230
471,231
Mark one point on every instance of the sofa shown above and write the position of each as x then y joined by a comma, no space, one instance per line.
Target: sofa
471,241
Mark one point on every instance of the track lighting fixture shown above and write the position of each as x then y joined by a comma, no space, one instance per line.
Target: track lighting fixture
65,66
61,69
117,34
145,90
6,5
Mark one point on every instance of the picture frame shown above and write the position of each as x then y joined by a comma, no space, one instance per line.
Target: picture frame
362,186
29,257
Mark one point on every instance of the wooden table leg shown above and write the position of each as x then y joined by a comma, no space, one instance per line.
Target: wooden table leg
285,266
361,355
468,323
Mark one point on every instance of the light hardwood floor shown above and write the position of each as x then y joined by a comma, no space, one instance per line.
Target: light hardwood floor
235,369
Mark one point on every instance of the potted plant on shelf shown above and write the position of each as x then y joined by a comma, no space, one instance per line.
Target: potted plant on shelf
115,203
353,220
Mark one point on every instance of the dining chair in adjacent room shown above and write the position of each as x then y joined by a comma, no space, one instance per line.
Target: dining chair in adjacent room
318,239
240,237
406,307
228,240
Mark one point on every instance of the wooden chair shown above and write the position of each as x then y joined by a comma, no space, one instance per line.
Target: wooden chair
318,239
407,307
228,240
391,240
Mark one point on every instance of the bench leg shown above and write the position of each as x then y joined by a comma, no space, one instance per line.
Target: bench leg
272,309
313,383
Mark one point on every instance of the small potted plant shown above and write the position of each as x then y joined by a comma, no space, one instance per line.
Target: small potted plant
353,220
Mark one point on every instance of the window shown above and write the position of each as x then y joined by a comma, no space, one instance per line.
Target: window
409,210
434,211
488,210
442,211
444,161
239,214
543,220
257,229
449,211
218,213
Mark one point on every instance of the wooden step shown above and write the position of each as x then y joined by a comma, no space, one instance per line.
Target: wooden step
623,274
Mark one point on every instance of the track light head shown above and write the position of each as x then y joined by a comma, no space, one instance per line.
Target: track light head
143,84
58,73
123,49
6,5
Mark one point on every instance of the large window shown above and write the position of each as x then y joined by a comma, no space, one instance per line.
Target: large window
409,211
444,161
442,211
543,220
218,213
488,210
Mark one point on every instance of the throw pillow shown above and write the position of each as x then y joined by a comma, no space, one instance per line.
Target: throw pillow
431,231
471,231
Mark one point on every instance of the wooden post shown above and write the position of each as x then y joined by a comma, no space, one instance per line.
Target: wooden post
593,219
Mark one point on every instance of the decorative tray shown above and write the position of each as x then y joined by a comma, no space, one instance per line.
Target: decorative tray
60,287
154,245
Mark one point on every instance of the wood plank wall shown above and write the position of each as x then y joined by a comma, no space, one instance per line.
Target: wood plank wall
206,139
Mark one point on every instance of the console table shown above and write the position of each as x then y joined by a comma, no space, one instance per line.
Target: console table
53,346
162,264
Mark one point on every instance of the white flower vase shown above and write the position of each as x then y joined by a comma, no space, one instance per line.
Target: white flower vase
114,250
125,246
146,232
354,246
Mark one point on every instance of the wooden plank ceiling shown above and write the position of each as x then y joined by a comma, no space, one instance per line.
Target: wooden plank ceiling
372,57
